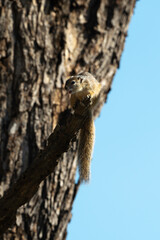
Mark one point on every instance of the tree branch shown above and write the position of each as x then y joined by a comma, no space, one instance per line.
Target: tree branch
43,165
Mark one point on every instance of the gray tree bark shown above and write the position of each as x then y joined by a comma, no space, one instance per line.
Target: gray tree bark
41,43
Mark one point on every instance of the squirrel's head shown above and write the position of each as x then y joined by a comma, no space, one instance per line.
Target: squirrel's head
74,84
79,82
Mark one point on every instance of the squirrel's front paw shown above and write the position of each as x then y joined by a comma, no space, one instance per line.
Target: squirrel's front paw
88,99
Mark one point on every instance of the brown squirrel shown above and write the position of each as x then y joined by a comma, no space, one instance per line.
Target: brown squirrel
81,86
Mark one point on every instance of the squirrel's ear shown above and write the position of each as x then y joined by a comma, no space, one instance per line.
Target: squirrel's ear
80,79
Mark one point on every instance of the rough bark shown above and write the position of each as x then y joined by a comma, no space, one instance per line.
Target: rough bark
43,165
41,43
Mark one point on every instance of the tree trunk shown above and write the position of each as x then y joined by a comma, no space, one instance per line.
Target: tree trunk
41,43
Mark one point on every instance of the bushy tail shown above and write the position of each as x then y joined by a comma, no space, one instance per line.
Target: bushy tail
86,144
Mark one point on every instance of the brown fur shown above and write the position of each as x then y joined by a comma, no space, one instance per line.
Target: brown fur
81,86
86,144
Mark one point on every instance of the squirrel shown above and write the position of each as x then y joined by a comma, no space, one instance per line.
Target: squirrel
81,86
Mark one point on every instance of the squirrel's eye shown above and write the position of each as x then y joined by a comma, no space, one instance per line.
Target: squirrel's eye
73,82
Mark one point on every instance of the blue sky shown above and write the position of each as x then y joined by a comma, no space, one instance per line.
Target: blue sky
122,200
